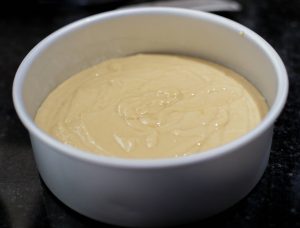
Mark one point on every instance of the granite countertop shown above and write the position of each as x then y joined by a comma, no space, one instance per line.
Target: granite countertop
26,202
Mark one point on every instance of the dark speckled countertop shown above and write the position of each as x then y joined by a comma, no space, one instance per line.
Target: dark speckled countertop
25,202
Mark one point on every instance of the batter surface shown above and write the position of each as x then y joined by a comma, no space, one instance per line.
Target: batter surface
151,106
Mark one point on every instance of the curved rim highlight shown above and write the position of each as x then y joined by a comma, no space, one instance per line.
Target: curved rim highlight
267,122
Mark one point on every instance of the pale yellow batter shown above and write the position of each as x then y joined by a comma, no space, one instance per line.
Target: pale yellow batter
151,106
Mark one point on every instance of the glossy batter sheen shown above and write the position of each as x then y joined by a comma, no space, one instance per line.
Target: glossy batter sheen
151,106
